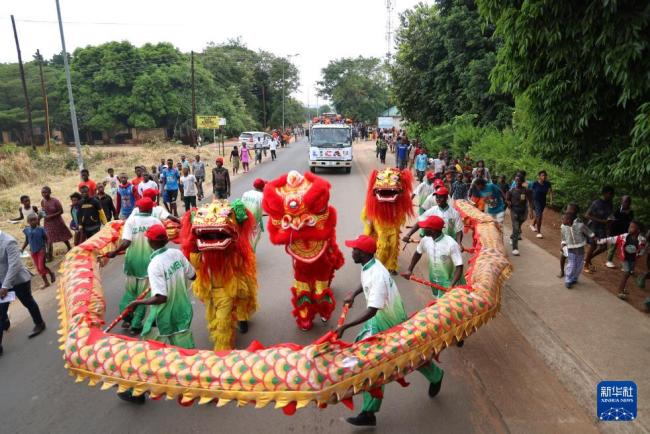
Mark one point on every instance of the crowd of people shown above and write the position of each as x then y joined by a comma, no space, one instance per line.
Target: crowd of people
603,227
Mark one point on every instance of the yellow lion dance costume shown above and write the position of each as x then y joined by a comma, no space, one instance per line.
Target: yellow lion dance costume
388,205
216,240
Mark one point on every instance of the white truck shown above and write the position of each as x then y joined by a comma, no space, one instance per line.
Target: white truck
330,145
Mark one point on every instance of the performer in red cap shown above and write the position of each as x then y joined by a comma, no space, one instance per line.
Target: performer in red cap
220,180
423,190
384,310
445,259
453,222
170,317
157,211
252,199
136,261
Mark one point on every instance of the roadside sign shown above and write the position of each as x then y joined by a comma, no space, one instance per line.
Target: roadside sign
207,122
385,122
222,122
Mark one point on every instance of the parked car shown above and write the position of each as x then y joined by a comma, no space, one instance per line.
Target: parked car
250,137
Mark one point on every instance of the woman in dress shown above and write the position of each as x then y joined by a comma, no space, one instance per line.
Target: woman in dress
56,229
245,157
234,159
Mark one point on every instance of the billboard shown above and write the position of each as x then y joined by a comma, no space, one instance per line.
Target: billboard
385,122
207,122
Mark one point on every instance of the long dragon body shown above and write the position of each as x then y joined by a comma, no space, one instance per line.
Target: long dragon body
290,376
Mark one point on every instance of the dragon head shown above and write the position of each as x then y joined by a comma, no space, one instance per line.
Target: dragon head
216,226
388,198
300,215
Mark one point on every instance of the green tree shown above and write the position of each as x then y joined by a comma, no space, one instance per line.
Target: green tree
579,71
445,52
356,86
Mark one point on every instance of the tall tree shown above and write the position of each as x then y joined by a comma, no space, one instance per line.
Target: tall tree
580,72
445,52
357,87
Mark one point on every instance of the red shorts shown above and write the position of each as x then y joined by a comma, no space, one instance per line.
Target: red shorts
39,262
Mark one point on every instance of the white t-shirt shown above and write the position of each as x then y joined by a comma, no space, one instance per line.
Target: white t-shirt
167,270
158,212
273,145
438,165
453,222
151,184
112,182
189,185
422,192
378,285
441,251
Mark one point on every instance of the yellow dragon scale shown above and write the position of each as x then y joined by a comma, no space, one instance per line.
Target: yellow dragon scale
323,373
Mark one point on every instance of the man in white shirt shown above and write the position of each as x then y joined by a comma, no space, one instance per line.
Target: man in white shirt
384,310
422,191
198,170
273,146
188,189
439,165
146,184
111,181
453,221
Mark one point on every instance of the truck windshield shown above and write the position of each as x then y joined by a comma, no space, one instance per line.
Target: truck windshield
330,137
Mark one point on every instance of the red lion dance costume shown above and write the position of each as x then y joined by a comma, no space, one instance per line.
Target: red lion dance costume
388,204
301,219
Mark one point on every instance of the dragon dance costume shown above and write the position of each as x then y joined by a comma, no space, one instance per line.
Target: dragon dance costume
302,220
388,204
216,239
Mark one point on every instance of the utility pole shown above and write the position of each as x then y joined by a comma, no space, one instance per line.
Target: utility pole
193,104
28,110
264,106
45,105
283,85
73,112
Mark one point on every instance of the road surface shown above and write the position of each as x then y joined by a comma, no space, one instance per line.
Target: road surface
496,383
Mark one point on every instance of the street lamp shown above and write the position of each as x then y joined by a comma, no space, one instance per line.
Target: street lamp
283,86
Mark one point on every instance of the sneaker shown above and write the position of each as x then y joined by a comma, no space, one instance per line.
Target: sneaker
363,419
610,264
540,236
434,388
515,252
533,228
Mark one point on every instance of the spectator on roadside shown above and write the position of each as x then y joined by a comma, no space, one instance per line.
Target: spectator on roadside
36,239
234,160
161,166
273,146
220,180
245,157
574,209
439,165
25,211
87,182
459,188
184,163
480,166
146,184
75,198
125,198
53,223
258,145
90,216
574,236
599,216
111,181
198,170
541,188
623,216
188,189
139,170
503,184
171,175
520,201
402,155
421,162
495,204
106,202
629,246
15,277
383,149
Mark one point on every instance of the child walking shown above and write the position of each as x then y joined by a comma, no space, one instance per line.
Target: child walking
36,238
574,239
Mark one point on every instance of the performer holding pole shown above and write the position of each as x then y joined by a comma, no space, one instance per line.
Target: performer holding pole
384,310
136,261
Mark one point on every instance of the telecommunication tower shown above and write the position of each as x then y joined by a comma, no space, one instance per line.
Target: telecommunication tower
390,8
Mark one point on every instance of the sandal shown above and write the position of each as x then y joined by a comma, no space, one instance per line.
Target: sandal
623,295
589,269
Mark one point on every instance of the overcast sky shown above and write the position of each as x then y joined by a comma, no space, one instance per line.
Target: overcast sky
319,30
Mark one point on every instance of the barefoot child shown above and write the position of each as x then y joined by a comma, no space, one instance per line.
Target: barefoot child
36,238
629,247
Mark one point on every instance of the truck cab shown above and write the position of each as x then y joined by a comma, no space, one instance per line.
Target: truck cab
330,145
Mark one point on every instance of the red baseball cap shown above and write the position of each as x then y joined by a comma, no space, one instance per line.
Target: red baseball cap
442,191
364,243
434,222
151,193
431,175
157,233
438,183
145,204
259,183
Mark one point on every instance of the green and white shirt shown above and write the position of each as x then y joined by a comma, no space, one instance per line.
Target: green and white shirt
422,192
453,222
138,253
382,294
252,200
444,256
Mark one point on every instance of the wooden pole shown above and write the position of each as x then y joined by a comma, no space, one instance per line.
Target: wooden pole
45,105
193,104
28,110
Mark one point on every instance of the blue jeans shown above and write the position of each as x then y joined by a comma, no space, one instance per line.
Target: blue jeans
574,264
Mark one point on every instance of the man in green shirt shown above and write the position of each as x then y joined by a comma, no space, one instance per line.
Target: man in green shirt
384,310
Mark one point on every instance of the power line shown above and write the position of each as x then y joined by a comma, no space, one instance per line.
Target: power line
99,23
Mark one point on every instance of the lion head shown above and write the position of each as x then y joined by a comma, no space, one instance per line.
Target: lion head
388,199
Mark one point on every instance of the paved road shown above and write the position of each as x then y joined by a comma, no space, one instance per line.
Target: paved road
37,396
